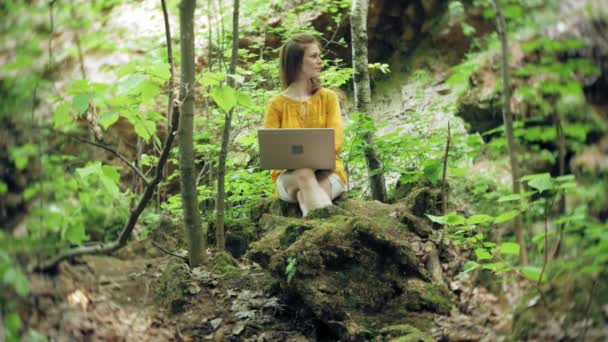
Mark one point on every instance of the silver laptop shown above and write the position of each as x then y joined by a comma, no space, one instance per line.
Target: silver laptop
296,148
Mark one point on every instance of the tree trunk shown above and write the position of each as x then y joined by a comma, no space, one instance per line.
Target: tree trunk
363,94
508,122
221,168
192,220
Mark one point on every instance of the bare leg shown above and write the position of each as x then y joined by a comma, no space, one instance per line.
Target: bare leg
323,179
303,185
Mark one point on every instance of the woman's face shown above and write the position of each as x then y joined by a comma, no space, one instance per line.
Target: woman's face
311,63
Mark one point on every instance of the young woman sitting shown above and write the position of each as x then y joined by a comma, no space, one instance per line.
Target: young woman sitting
305,104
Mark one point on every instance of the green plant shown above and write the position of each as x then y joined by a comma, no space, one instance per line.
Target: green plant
291,269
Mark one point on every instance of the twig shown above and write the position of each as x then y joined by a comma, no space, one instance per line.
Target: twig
587,309
200,174
169,252
78,45
51,29
109,149
545,249
444,193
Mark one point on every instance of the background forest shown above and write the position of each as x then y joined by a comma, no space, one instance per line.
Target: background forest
489,120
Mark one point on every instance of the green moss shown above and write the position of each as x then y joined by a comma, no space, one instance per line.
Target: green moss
405,333
224,263
355,268
238,235
172,289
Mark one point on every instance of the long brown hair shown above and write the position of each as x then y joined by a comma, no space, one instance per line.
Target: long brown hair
290,60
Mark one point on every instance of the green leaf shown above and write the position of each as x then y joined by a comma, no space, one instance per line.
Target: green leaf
212,79
148,90
110,179
225,97
509,215
3,188
291,268
509,248
79,86
12,323
432,170
513,12
91,168
62,116
108,118
515,197
532,273
74,234
34,336
20,155
470,266
541,184
495,266
482,254
145,129
591,269
243,99
160,71
17,280
437,219
454,219
111,173
81,102
130,82
535,176
480,219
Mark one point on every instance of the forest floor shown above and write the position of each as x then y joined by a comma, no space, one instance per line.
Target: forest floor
117,298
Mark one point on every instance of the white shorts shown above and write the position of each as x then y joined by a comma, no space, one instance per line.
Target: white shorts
337,188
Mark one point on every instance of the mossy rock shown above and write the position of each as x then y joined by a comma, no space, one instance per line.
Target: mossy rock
238,235
354,273
174,287
423,200
273,206
224,263
405,333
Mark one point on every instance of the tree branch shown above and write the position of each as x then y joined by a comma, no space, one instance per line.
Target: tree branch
184,259
111,150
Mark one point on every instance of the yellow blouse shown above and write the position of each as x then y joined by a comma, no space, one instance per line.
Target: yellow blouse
323,111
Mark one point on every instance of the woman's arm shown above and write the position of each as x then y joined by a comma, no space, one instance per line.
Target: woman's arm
334,119
272,119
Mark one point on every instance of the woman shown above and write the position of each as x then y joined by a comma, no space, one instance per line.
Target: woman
305,104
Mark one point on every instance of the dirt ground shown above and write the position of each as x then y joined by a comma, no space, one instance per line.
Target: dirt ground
104,298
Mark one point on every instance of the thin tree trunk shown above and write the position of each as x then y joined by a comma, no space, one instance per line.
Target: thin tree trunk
83,72
363,95
209,9
444,188
220,203
508,122
192,220
561,157
172,105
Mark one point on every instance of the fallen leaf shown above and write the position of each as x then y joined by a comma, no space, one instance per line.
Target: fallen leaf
238,328
216,323
245,314
194,288
533,301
